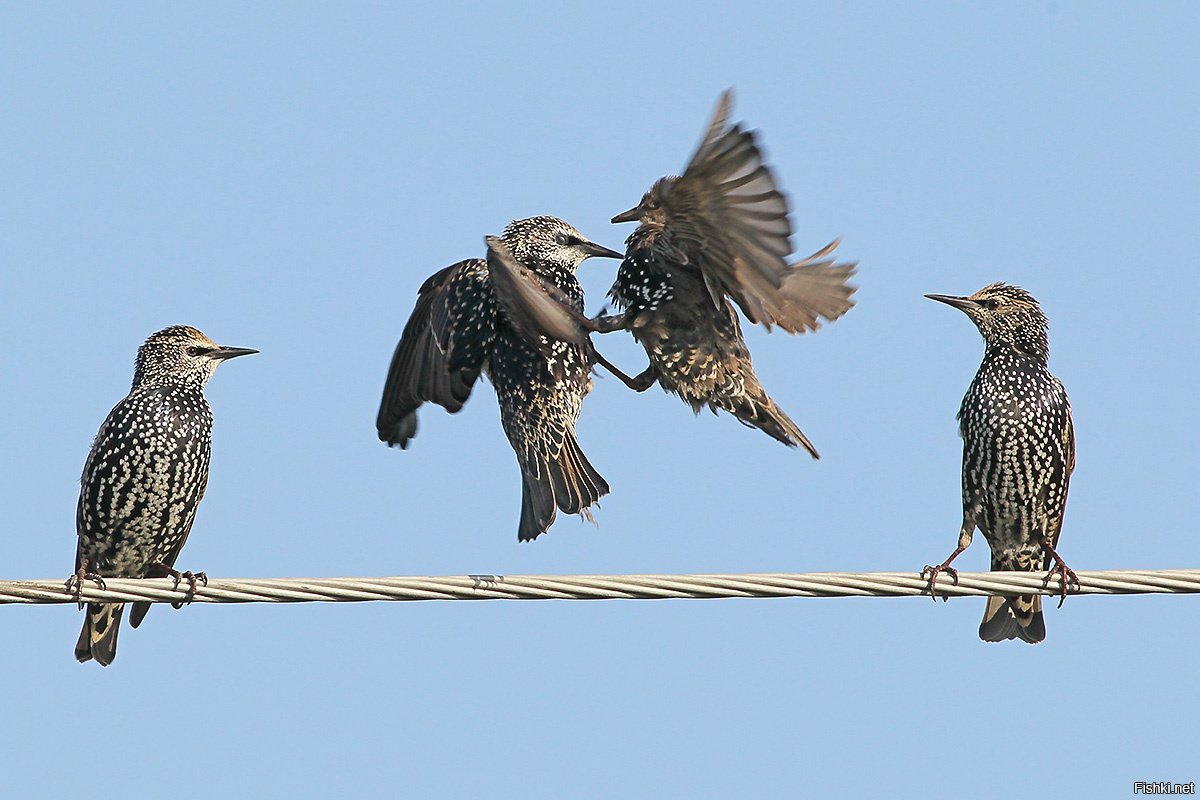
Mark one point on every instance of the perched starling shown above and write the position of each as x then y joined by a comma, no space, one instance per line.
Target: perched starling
718,232
144,478
460,327
1018,454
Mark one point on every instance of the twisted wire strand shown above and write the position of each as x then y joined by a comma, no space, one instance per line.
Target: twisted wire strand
601,587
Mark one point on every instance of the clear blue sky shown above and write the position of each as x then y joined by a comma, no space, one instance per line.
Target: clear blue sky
285,176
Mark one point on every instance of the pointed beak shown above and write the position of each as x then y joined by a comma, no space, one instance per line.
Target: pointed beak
593,249
961,303
632,215
224,353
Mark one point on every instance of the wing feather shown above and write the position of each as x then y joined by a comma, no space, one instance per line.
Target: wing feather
727,207
442,350
533,306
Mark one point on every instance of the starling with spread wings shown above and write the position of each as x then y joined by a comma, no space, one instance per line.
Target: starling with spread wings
465,324
716,236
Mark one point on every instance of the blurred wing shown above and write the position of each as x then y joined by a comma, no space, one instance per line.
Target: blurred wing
813,288
532,306
442,350
728,205
716,127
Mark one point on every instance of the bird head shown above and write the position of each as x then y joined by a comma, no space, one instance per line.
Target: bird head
1006,315
181,354
650,211
548,241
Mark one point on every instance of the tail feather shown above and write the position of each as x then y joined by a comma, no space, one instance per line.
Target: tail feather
1013,618
98,639
576,482
139,613
759,411
569,483
811,289
537,507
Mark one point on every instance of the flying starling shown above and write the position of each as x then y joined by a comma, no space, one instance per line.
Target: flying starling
720,232
1018,454
465,323
144,478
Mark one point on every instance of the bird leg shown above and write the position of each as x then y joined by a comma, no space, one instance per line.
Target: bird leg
193,579
964,541
943,567
607,323
74,583
1066,575
643,381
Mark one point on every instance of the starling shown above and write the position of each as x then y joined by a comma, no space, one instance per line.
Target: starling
144,478
464,323
719,232
1018,454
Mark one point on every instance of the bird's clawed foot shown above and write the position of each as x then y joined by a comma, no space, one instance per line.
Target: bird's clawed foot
75,583
193,579
1066,576
932,572
607,323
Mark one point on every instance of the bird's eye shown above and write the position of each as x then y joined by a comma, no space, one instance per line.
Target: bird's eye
989,303
561,238
195,350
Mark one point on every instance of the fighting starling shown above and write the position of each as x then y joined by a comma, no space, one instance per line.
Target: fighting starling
144,478
1018,454
718,232
460,327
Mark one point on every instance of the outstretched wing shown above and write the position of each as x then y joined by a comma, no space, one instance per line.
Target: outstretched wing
726,205
727,208
442,350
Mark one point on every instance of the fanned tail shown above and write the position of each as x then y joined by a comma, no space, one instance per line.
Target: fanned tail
569,483
814,288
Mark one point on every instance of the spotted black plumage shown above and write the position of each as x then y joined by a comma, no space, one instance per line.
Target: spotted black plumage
145,476
716,234
1018,453
460,328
